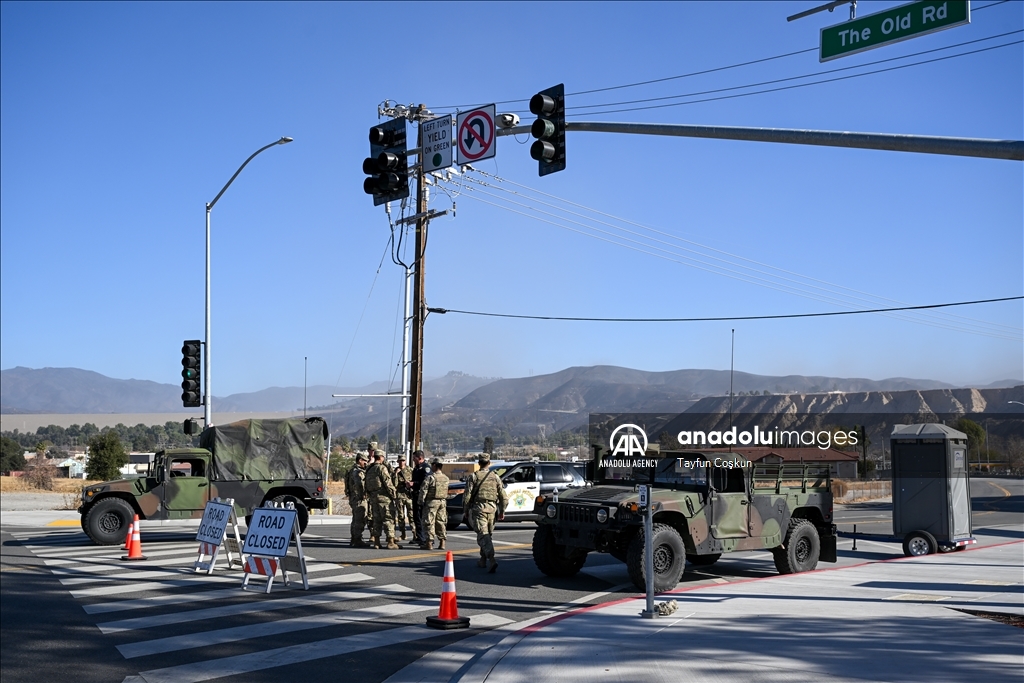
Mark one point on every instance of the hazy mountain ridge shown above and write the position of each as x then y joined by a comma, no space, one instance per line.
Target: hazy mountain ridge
521,406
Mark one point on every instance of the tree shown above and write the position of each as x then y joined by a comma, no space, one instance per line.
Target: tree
489,445
975,434
106,456
11,456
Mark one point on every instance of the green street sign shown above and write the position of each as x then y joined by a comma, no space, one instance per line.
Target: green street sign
891,26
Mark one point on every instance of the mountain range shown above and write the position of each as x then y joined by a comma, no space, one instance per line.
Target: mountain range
458,403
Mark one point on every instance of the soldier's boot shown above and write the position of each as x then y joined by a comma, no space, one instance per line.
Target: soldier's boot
358,543
482,562
403,532
440,546
391,544
426,545
492,565
375,543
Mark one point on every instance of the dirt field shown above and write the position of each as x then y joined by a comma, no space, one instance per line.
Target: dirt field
19,485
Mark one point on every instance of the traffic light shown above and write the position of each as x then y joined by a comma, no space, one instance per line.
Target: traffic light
191,395
387,166
549,129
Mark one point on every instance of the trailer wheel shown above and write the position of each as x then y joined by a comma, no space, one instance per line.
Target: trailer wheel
800,551
919,543
669,559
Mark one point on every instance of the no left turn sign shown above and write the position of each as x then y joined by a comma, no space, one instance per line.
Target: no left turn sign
475,135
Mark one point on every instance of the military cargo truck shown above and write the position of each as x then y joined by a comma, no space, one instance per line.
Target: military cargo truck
704,504
251,461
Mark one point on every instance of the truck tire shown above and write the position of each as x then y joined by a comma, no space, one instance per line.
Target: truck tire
919,543
669,558
107,521
552,558
301,513
703,560
800,550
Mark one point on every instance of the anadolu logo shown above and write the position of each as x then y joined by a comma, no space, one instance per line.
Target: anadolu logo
633,441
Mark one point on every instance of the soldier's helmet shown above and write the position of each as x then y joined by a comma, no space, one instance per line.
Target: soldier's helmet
373,445
435,463
360,458
484,459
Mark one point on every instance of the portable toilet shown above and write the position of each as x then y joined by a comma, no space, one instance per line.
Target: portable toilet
931,498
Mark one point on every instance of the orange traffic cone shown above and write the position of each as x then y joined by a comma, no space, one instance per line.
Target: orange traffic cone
448,615
128,539
135,550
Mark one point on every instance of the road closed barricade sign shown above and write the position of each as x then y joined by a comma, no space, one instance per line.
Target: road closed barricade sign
213,535
267,541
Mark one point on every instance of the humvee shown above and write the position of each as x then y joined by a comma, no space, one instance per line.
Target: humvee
704,504
251,461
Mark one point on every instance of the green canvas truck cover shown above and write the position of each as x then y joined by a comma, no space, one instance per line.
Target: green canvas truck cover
253,450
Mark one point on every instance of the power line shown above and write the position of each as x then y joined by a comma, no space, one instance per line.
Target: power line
794,78
688,75
802,85
723,318
729,270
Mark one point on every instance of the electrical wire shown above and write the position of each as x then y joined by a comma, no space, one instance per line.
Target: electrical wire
871,297
681,76
803,85
795,287
443,311
792,78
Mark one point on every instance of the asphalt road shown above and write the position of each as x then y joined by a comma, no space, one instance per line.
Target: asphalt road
75,625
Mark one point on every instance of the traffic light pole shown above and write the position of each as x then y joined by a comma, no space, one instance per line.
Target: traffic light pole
1011,150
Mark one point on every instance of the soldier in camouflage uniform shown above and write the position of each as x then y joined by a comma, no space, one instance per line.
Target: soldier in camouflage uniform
380,492
403,505
485,502
433,498
355,489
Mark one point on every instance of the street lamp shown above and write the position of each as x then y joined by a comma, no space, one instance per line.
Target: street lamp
207,390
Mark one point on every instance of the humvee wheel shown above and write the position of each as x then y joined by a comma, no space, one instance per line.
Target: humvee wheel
107,521
552,558
800,550
703,560
301,513
669,558
919,543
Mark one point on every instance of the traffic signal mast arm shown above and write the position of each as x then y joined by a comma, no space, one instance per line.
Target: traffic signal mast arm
1011,150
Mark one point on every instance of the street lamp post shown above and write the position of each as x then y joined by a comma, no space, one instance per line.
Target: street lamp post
207,386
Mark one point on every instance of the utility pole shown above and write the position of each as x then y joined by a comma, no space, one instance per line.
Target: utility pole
419,309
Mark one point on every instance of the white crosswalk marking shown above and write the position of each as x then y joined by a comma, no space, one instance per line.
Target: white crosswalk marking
195,580
283,656
199,596
246,607
185,612
272,628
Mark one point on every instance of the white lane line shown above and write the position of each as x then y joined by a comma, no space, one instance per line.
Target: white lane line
116,556
197,580
183,598
93,550
117,564
283,656
271,628
140,570
249,607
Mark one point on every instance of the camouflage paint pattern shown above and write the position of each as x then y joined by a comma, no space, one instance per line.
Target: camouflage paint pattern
708,521
251,460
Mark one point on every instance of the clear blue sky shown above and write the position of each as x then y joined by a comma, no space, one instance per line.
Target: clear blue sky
120,121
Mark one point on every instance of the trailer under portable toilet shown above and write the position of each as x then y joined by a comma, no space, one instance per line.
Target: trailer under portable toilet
931,498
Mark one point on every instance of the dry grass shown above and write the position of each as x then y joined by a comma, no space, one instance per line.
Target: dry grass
19,485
